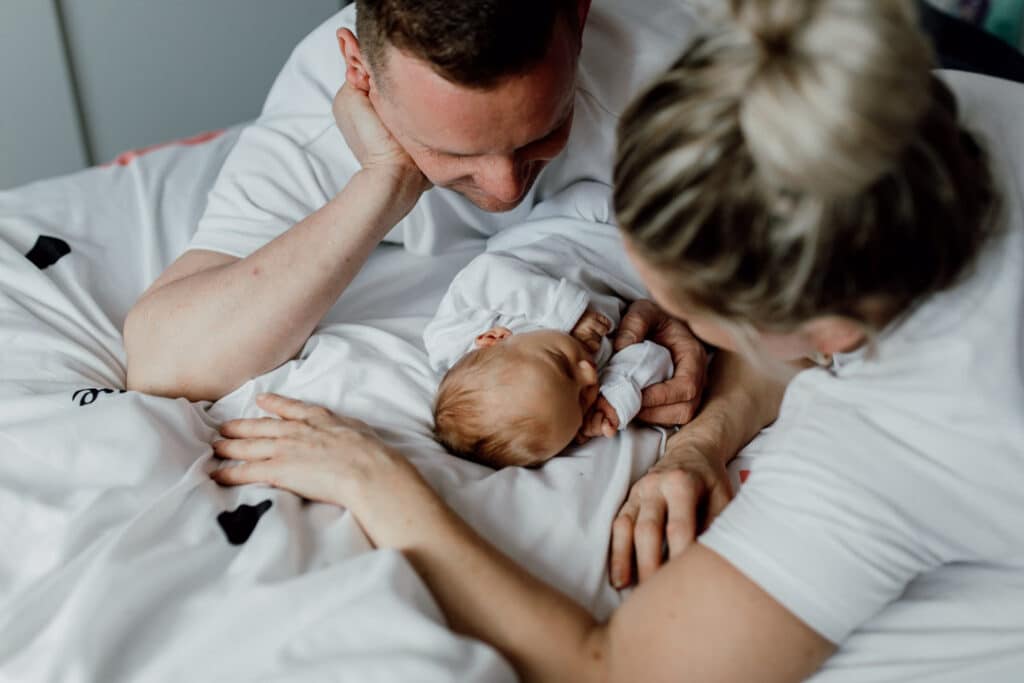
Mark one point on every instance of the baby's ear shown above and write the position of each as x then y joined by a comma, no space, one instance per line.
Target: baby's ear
492,337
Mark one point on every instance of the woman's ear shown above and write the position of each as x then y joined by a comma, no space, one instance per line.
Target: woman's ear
833,334
357,71
492,337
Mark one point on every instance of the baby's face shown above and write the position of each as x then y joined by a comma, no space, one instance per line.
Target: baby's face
550,374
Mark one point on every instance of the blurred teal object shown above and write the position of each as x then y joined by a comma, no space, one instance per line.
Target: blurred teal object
1006,19
1002,18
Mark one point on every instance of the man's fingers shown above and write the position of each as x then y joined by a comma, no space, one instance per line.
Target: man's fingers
647,537
271,427
671,415
247,449
620,566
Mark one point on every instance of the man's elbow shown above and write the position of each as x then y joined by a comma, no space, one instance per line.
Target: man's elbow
155,379
152,368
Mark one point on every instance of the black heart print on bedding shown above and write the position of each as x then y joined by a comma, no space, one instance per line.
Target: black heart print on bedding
238,524
47,251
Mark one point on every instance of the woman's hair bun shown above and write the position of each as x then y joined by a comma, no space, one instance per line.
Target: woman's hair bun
836,92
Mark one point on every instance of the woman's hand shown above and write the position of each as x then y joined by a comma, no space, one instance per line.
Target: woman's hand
672,503
673,402
317,455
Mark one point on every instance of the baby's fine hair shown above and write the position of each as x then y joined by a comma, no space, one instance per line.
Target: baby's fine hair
803,161
464,425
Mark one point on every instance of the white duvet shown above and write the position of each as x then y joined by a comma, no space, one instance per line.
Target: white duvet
120,560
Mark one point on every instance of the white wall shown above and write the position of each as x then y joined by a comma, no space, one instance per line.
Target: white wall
83,80
39,132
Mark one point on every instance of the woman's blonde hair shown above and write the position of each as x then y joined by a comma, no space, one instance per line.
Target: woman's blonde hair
803,161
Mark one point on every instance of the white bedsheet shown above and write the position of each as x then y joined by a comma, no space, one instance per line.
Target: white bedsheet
113,564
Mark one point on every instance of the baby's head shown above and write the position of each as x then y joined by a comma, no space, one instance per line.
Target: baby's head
516,399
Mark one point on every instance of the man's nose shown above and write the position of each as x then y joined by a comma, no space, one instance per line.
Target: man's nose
505,178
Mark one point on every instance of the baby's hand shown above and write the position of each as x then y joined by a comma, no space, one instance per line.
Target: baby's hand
600,420
591,329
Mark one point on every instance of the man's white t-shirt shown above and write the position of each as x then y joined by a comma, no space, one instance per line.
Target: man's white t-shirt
293,159
885,508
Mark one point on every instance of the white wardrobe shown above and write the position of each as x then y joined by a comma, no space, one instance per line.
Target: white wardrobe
83,80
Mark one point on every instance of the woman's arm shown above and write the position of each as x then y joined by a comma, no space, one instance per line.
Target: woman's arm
697,619
687,488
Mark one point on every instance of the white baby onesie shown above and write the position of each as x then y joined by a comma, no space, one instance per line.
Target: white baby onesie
539,284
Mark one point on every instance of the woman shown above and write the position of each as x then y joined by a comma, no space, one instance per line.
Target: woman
796,185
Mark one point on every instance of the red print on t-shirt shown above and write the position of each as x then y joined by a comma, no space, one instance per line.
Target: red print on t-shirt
128,157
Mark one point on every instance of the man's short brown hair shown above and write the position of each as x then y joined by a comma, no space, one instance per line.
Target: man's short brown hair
474,43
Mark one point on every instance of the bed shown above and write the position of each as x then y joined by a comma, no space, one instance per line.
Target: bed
123,561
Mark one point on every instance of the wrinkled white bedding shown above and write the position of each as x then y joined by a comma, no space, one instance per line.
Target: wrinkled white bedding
121,561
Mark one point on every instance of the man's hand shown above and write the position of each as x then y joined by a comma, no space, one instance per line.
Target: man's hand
672,503
591,329
369,139
673,402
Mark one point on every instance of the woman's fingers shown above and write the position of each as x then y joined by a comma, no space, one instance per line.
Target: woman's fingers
620,567
720,496
672,402
264,427
648,535
681,492
247,449
639,319
245,473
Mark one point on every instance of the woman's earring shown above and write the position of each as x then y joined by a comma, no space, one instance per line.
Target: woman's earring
821,359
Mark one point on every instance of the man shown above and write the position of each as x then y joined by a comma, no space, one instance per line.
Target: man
476,100
451,120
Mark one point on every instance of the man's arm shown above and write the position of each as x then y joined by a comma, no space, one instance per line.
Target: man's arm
211,322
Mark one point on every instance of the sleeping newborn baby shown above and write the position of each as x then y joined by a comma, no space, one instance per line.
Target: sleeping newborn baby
522,336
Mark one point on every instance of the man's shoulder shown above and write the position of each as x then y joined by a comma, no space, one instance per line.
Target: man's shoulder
314,71
626,45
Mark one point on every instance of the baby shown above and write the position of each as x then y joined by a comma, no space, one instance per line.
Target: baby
529,365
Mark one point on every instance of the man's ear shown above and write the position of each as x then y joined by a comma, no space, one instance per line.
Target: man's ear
832,334
492,337
357,71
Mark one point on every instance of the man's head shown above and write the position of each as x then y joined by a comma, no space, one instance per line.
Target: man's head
479,93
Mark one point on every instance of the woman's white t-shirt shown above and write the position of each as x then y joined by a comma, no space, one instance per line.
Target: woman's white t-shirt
885,508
